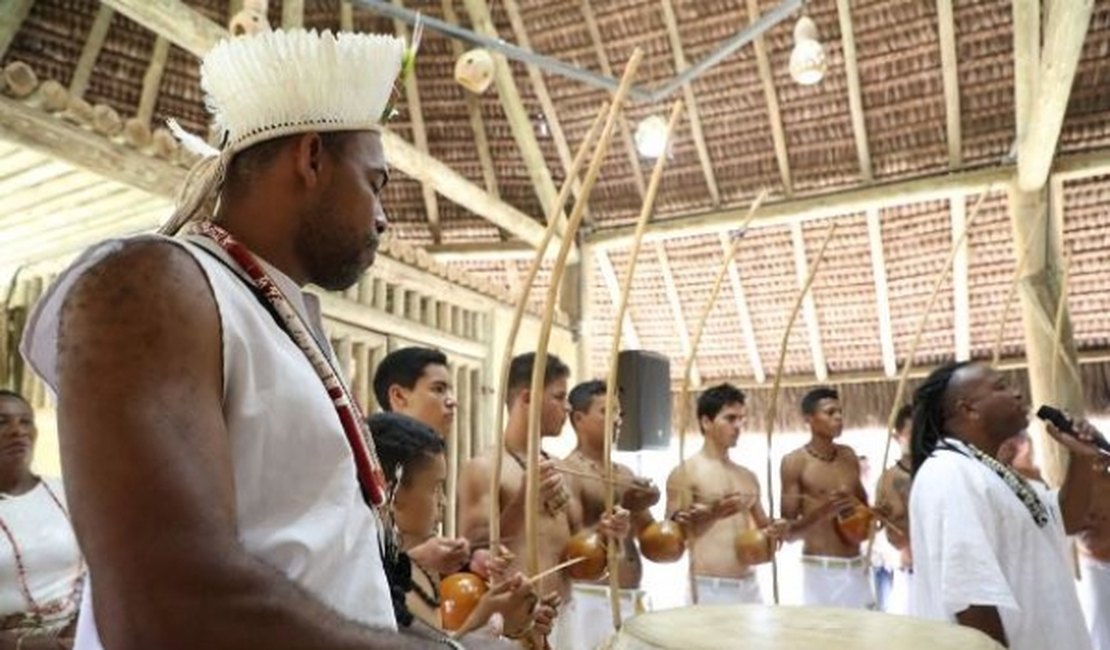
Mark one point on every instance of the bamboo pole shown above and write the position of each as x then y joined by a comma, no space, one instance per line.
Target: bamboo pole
514,330
532,491
772,408
611,385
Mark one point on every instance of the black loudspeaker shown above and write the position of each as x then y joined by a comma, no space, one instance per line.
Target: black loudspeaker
644,379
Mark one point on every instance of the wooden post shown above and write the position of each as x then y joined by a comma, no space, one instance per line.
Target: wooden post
1034,224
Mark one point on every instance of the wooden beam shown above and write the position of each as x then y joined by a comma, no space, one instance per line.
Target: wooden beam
939,187
809,306
346,16
292,14
11,19
1033,225
193,31
880,377
43,132
99,31
521,125
419,133
676,309
456,187
613,286
152,80
520,32
882,295
1065,31
474,111
184,26
485,251
961,308
774,115
855,96
371,318
750,344
950,67
607,69
680,65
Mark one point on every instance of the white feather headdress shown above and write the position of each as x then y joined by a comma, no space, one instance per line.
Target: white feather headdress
278,83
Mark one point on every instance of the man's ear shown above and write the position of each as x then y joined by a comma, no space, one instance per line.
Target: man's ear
398,397
308,156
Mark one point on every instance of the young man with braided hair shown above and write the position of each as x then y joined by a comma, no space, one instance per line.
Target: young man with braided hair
988,544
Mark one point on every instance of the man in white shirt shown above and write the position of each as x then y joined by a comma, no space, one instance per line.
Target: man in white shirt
989,545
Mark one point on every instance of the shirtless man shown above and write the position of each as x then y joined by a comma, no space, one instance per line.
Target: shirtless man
590,609
724,500
560,517
820,480
1094,561
893,501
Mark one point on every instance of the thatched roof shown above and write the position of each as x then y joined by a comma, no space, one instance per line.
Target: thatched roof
899,59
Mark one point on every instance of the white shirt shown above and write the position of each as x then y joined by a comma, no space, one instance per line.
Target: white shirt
41,532
975,543
298,504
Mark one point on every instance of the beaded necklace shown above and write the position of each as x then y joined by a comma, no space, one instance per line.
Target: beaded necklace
36,614
367,466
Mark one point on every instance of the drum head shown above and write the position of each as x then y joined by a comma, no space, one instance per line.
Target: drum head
761,627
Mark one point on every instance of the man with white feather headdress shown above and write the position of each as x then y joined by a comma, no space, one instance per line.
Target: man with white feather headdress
221,482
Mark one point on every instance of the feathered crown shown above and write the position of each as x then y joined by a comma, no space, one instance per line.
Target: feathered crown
277,83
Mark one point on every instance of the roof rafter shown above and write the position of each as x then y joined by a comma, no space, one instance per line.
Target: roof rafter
609,275
950,64
809,306
774,115
622,122
676,309
523,130
882,292
419,135
751,346
680,64
855,96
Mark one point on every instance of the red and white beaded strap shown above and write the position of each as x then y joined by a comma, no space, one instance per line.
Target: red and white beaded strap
368,467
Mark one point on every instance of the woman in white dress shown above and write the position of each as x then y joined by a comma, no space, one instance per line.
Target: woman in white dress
41,569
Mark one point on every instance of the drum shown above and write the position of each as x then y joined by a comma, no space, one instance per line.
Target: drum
762,627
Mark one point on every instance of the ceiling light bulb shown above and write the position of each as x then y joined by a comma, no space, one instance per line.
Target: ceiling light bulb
651,137
807,59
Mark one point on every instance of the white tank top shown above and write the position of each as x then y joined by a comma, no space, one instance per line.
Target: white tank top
298,504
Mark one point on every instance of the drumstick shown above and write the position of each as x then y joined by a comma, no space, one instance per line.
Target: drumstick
518,316
532,490
557,568
773,408
684,394
614,351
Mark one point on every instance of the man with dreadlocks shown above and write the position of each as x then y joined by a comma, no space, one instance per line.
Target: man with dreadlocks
988,545
222,483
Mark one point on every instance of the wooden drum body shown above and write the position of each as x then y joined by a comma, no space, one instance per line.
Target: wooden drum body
763,627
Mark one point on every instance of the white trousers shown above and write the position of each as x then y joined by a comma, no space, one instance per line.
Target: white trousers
729,591
1094,596
836,582
586,622
898,600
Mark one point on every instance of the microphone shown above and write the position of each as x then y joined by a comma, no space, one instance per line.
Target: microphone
1064,425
